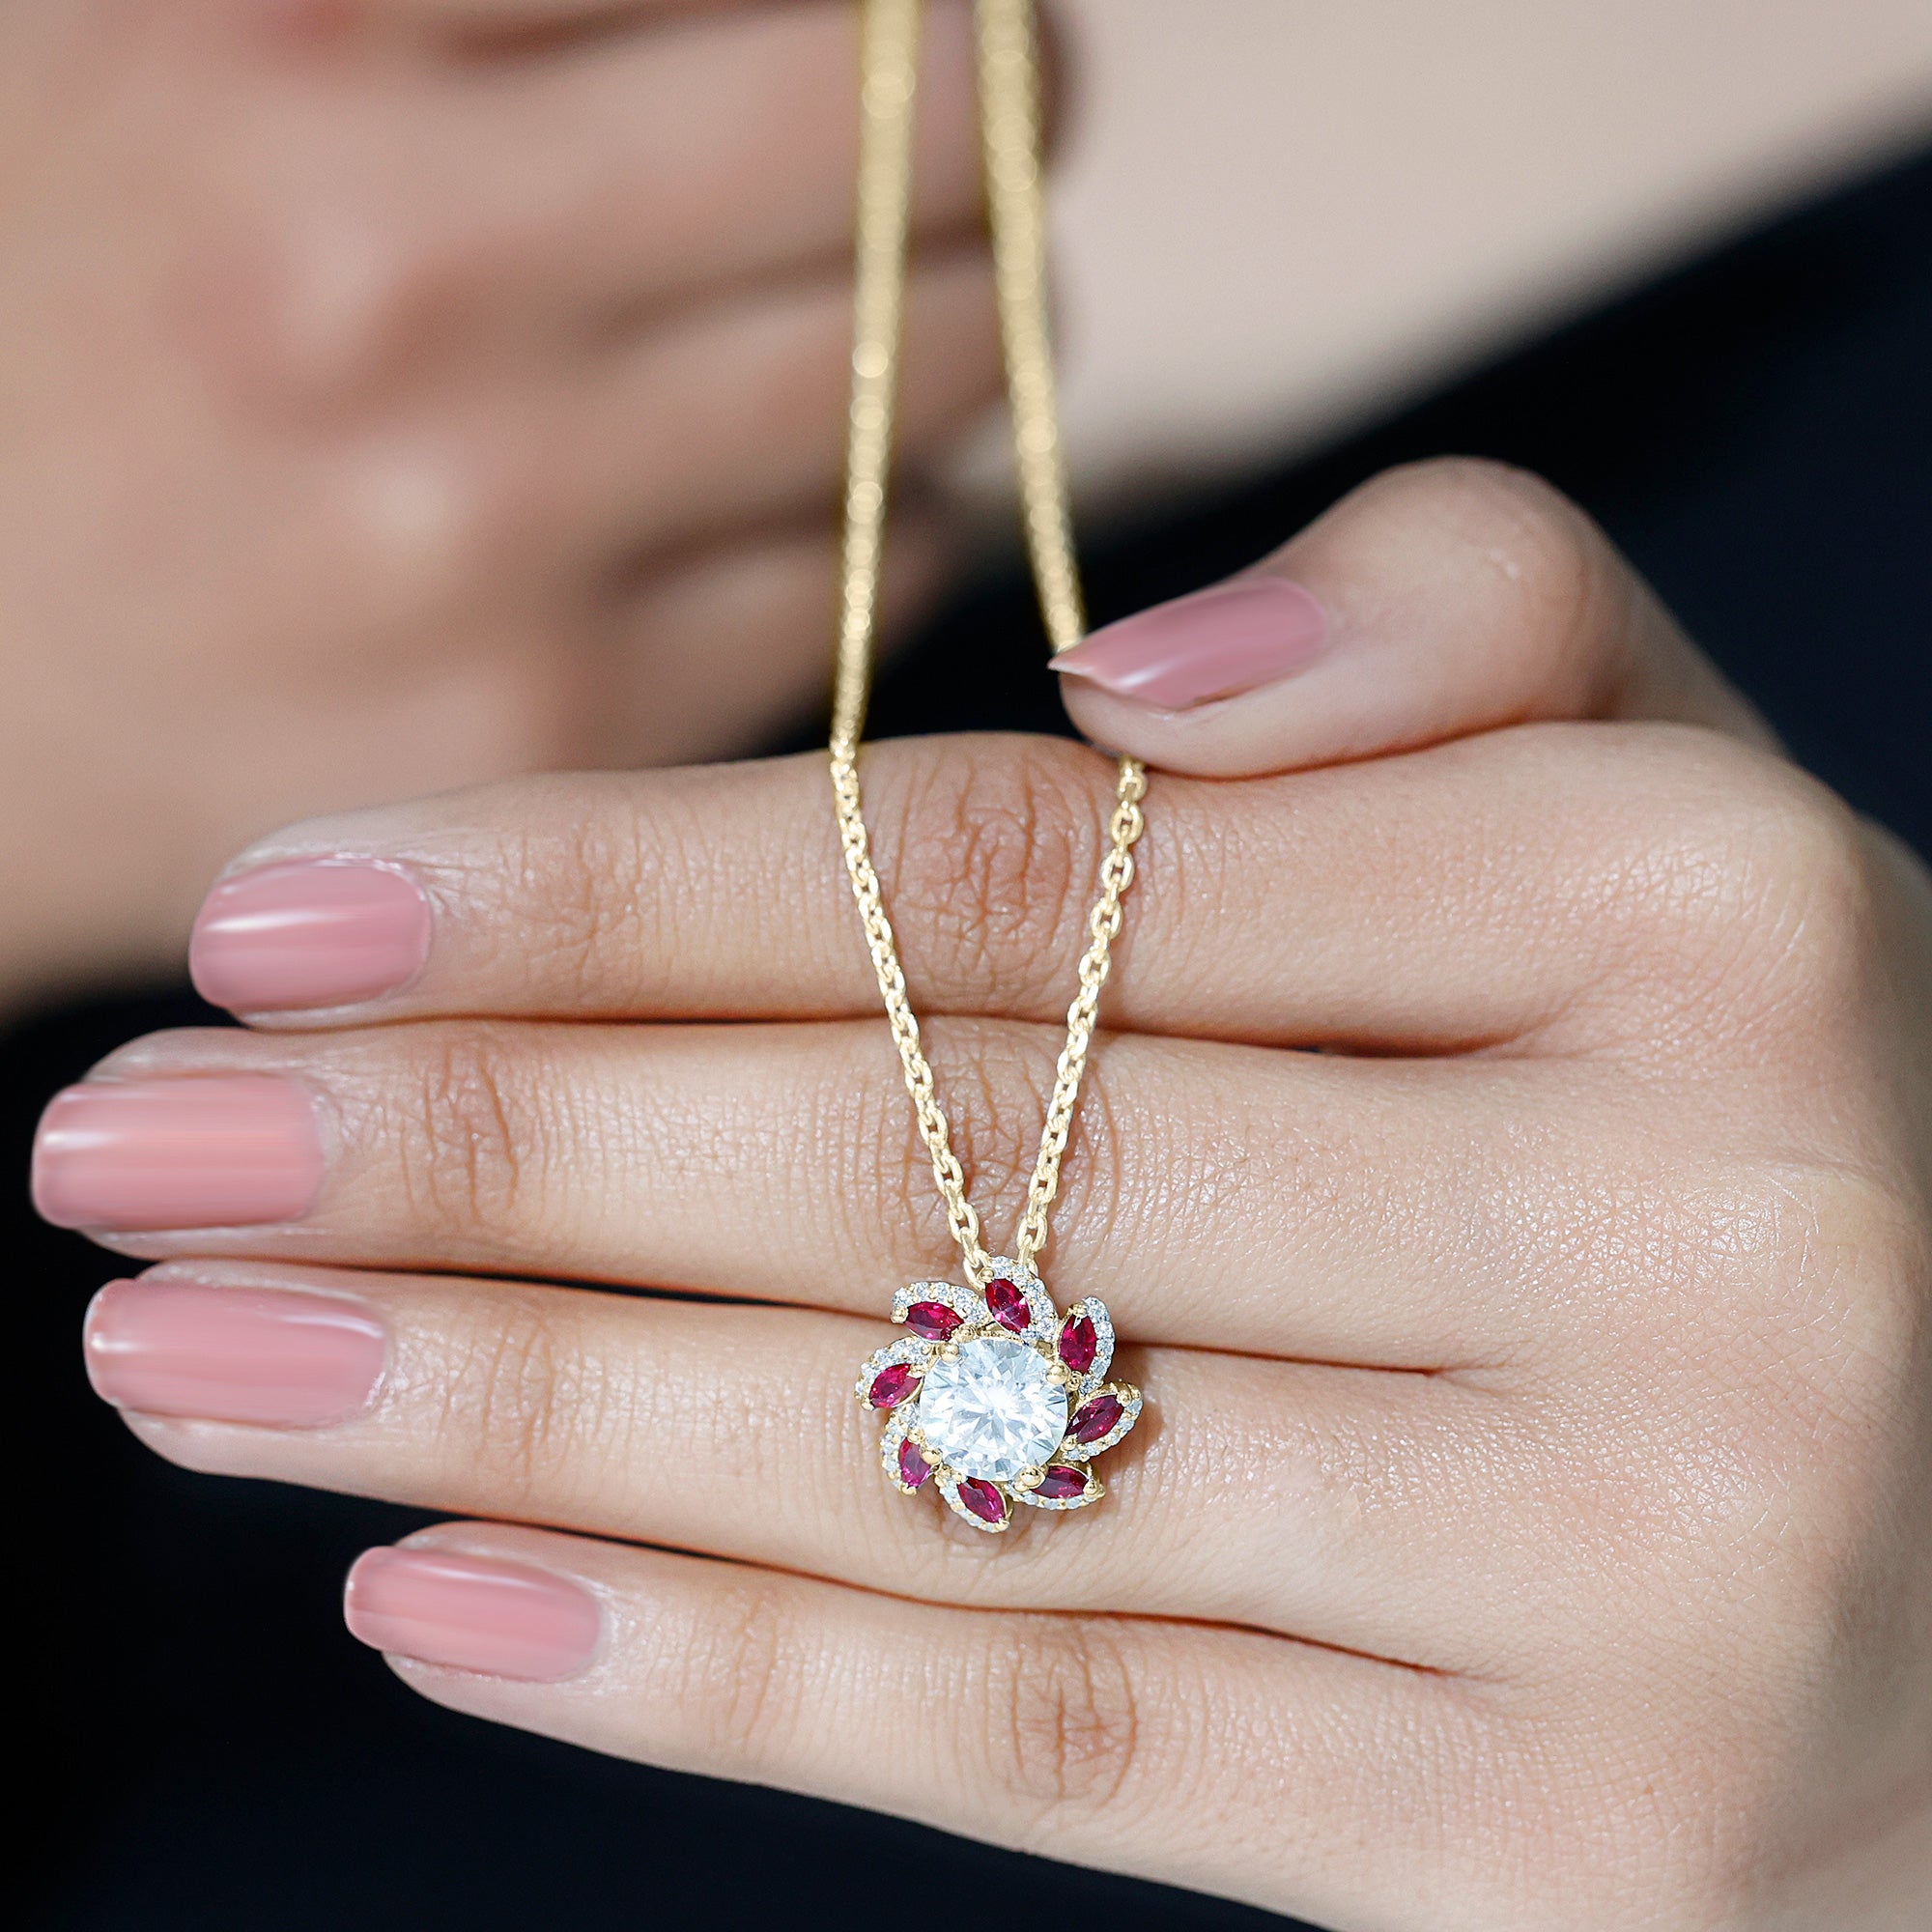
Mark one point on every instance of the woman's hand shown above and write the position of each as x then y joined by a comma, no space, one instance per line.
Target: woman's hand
406,394
1529,1525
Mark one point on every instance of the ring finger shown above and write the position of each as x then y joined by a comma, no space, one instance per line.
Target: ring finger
1294,1498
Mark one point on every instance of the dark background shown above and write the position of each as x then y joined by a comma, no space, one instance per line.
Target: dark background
207,1750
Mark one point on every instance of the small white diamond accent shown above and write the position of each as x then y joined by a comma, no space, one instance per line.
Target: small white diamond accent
991,1408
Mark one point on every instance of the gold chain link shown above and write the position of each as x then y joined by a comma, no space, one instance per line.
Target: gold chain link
1009,68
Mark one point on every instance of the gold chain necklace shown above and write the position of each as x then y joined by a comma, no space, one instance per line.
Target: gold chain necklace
994,1394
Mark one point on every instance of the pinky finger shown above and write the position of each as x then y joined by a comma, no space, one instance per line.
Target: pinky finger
1222,1760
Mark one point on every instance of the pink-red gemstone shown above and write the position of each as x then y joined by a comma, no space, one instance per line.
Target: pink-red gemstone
891,1387
1009,1305
914,1468
1079,1345
1060,1482
1094,1419
983,1501
932,1319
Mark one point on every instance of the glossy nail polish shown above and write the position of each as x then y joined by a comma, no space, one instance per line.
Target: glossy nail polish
224,1151
1217,643
310,932
473,1614
282,1359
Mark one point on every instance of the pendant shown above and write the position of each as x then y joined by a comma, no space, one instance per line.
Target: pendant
996,1398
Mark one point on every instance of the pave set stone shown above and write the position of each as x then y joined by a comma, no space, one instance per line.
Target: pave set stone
996,1398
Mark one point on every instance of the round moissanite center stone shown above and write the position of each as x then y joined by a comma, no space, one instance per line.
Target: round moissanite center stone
993,1409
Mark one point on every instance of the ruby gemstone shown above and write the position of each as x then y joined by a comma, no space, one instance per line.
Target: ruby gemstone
933,1320
983,1501
914,1468
891,1387
1094,1419
1009,1305
1079,1345
1060,1482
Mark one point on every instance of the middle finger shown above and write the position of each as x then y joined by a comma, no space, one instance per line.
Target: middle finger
1335,1208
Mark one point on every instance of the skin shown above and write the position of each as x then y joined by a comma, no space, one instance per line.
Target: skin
399,395
1529,1524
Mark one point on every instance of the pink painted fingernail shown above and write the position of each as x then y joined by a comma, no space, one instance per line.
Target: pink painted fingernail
280,1357
1217,643
225,1150
311,933
473,1613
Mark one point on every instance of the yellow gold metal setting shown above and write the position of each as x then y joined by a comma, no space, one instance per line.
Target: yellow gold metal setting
1006,38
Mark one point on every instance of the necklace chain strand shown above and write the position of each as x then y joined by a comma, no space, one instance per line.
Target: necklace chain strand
1009,67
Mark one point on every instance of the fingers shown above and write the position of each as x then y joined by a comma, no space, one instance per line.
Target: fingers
1503,890
517,21
1385,1217
694,156
1437,600
733,1430
725,646
658,448
1142,1746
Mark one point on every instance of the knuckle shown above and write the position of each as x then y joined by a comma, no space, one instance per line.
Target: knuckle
1789,903
471,1143
745,1672
1730,874
323,307
608,886
1063,1712
308,328
529,1401
993,853
890,1184
994,1096
1832,1307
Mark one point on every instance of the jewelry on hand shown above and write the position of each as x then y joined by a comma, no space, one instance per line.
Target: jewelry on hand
994,1396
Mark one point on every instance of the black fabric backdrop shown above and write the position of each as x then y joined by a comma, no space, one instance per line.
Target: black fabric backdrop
205,1749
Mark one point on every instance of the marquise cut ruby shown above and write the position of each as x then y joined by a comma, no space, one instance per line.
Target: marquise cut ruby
914,1468
1094,1419
1079,1345
983,1501
891,1387
1009,1305
1060,1482
932,1321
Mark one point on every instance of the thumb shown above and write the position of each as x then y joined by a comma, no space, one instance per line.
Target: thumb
1435,601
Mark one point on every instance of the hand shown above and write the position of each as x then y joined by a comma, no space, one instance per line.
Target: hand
409,393
1529,1525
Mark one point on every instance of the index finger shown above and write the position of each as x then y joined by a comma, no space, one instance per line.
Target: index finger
1458,896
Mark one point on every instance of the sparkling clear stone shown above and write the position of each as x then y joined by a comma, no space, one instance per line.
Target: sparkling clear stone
993,1409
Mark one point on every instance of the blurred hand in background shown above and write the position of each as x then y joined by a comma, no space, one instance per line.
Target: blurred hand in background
402,393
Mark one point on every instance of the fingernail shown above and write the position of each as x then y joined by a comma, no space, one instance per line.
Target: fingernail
473,1614
221,1152
312,932
1217,643
279,1357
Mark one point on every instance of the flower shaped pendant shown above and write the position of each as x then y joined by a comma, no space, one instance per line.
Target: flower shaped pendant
997,1398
